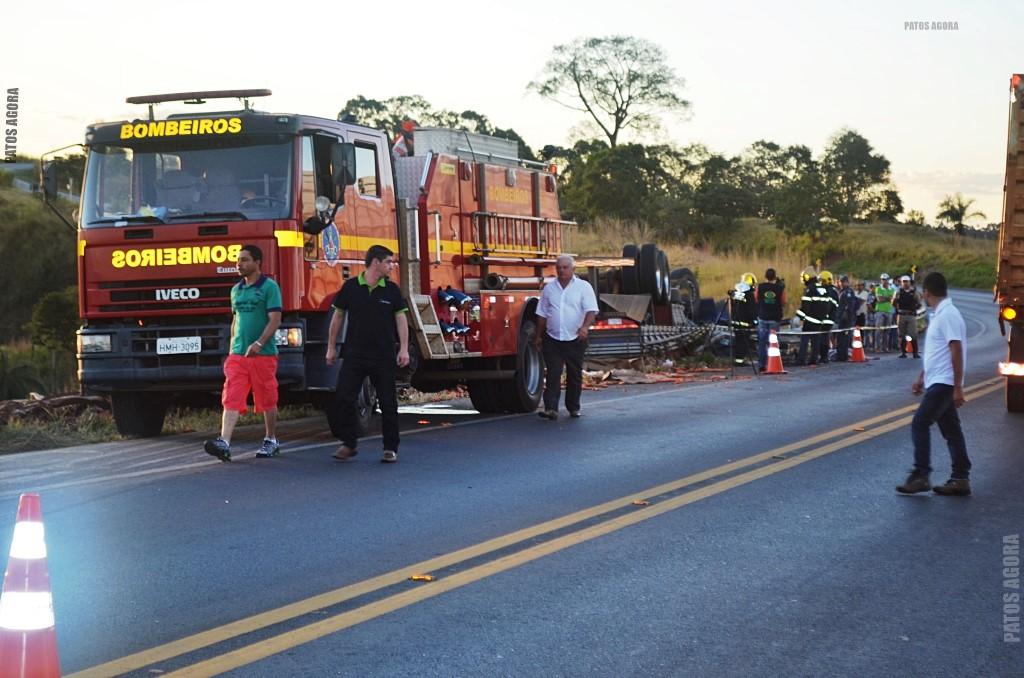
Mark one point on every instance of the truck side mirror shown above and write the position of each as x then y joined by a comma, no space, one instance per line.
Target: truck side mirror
343,162
50,180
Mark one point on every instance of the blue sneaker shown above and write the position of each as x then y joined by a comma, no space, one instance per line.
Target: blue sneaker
269,448
219,448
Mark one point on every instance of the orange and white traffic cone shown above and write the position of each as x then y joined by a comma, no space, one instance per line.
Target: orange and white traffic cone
28,638
774,364
908,345
857,355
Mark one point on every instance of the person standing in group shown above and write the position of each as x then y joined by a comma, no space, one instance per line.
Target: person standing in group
883,315
771,300
870,316
906,302
942,382
376,313
862,304
743,314
829,298
811,314
565,313
845,318
251,365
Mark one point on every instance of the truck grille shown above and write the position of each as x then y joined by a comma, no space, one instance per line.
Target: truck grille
141,295
143,347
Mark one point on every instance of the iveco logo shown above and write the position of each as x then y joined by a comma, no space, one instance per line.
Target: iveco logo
177,294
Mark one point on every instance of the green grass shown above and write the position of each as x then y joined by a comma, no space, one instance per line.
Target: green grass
862,251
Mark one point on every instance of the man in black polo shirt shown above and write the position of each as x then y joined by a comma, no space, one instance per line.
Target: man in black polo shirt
376,312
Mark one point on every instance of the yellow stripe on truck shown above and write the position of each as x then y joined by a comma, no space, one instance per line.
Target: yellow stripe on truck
289,238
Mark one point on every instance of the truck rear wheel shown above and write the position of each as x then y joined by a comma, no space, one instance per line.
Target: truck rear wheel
137,414
1014,385
663,291
685,281
366,403
647,268
523,393
630,274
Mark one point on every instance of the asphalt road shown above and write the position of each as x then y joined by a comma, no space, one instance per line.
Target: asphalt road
767,540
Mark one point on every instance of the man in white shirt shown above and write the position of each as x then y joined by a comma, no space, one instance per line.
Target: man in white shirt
942,382
564,315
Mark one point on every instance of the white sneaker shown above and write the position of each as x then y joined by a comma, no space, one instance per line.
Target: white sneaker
390,457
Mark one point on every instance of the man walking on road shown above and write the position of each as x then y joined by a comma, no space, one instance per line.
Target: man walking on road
942,382
252,362
564,315
376,312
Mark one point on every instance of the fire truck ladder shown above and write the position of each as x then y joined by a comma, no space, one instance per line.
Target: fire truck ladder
428,329
512,234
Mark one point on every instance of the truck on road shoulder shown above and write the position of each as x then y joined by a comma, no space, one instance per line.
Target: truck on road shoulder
1010,264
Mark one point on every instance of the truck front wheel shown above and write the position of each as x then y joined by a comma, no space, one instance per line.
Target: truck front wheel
137,414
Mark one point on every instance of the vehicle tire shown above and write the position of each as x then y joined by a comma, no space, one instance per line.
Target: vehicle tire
486,395
630,274
662,293
138,414
1015,386
647,268
1014,396
523,393
366,403
685,281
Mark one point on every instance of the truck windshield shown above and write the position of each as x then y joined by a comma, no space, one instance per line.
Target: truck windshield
174,180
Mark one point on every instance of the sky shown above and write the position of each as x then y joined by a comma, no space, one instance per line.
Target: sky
934,102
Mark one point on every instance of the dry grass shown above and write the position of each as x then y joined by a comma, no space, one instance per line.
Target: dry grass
862,251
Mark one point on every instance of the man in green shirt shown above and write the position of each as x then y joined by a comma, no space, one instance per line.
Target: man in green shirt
252,364
883,314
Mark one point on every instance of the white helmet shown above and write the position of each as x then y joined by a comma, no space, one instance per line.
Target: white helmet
885,276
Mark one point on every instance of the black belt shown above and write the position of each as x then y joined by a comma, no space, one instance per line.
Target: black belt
907,313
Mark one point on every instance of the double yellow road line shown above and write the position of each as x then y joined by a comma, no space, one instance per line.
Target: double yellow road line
672,495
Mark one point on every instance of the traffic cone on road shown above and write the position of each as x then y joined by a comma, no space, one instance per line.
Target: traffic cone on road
28,639
774,365
908,344
857,355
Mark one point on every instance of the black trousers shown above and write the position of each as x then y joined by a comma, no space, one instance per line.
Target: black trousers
567,355
341,413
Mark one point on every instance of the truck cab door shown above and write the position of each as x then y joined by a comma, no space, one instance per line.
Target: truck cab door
370,203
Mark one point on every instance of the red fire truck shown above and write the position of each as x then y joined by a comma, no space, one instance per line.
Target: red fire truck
168,203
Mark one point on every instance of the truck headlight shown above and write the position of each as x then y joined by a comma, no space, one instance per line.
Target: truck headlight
1010,313
291,336
95,343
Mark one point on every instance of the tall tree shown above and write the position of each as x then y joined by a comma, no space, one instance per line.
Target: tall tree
955,210
621,82
766,167
850,171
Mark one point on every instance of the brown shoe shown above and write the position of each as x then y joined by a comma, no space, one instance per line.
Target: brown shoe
954,487
344,452
916,482
548,414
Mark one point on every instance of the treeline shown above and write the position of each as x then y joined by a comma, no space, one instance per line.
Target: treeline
624,85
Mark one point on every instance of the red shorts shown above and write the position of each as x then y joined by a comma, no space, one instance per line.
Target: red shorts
257,374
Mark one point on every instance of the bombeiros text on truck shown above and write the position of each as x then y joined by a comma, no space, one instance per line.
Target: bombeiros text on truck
167,204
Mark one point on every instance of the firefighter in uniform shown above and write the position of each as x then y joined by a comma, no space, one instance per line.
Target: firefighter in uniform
743,313
829,298
810,314
771,299
846,317
906,303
